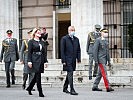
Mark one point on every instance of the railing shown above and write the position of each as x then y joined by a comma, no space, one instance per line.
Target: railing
118,15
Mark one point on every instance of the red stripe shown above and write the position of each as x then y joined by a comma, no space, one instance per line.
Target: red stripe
104,76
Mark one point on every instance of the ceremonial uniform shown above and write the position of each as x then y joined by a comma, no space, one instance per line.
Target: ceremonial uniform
101,57
89,49
24,58
10,54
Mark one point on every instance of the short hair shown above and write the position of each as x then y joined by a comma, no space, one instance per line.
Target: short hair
71,27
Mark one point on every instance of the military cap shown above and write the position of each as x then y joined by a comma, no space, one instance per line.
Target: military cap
104,30
9,32
97,26
30,32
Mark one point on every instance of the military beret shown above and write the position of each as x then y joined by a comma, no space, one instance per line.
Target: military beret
97,26
9,32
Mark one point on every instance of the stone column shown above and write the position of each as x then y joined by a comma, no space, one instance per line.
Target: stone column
9,18
84,15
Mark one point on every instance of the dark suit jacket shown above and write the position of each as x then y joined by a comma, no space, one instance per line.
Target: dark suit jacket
70,51
36,59
9,50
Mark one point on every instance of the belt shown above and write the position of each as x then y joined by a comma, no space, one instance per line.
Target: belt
38,53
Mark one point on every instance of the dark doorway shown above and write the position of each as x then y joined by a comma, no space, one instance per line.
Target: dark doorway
62,31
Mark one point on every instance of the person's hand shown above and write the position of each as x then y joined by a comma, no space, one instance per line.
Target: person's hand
96,63
64,63
109,64
45,65
22,62
78,61
30,65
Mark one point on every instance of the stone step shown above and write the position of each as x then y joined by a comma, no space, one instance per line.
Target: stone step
57,81
119,74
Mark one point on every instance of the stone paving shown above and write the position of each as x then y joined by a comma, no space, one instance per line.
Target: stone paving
55,93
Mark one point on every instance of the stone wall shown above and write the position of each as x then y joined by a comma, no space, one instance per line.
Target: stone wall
38,13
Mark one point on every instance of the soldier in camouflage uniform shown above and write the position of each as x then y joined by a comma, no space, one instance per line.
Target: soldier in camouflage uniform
10,52
101,57
89,49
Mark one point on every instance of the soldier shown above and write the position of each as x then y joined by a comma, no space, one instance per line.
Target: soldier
10,52
101,57
24,60
89,48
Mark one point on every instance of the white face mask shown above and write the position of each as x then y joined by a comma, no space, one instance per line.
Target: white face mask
105,35
38,35
72,33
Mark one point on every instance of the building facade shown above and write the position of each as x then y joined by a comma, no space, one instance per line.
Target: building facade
56,15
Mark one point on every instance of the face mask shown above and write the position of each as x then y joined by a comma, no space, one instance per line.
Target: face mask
105,35
72,33
38,35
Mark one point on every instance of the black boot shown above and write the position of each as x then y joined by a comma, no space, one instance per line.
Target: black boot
90,77
8,79
73,92
13,76
41,95
29,91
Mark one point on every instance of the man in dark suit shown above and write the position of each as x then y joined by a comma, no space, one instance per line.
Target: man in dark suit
10,52
70,51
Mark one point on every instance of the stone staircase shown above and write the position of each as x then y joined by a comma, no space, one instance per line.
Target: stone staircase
120,74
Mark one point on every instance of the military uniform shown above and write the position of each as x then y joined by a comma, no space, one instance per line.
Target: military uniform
24,58
89,49
10,52
101,57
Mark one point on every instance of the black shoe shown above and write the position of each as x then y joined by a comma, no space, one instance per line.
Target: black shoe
66,91
90,77
109,90
29,92
94,75
96,89
8,86
23,86
13,82
41,95
73,93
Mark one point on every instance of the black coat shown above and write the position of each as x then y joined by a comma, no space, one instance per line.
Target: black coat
70,51
36,59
